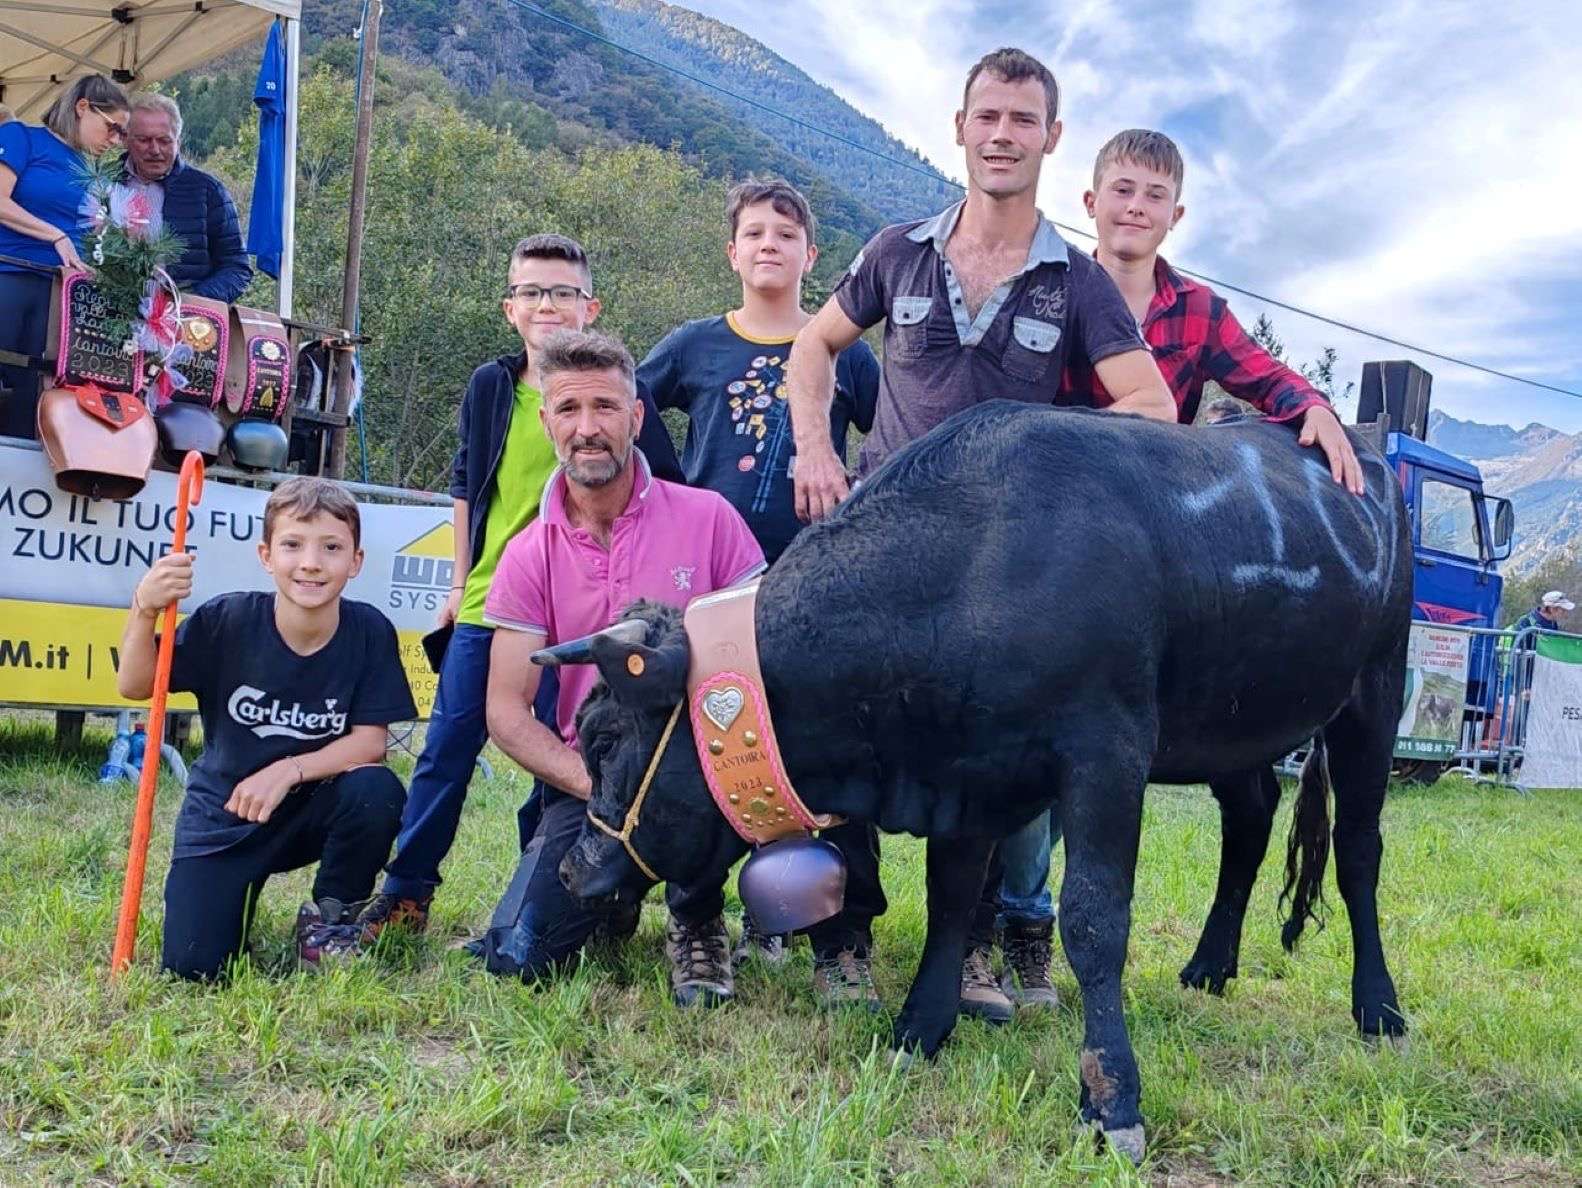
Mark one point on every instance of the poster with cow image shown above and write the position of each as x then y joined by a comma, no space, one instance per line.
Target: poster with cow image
1436,690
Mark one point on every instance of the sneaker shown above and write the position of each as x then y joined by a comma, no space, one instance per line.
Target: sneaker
700,963
766,947
845,979
981,996
327,931
390,911
1025,978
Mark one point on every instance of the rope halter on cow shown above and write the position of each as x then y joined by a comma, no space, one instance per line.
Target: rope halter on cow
634,814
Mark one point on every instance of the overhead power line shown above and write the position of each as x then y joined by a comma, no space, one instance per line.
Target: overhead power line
902,163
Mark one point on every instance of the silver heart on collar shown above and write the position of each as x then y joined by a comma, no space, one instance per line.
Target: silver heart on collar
723,706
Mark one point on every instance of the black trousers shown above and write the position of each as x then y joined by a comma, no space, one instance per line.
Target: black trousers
852,927
24,326
539,925
345,824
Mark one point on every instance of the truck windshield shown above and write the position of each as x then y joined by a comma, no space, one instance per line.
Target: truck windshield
1448,518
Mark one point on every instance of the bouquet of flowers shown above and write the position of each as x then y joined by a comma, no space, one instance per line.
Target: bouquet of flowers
128,251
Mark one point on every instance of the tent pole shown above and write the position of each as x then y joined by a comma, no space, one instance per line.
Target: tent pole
288,232
345,380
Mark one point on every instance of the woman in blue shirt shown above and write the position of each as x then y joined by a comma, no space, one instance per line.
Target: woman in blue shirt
42,188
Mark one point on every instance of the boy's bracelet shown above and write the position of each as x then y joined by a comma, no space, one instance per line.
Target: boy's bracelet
302,777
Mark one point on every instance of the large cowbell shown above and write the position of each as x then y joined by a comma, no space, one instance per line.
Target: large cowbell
793,884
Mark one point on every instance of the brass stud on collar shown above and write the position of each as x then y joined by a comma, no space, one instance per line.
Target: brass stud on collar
735,799
716,747
750,737
635,665
769,791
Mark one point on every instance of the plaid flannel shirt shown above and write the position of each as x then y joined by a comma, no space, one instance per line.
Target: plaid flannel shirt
1195,338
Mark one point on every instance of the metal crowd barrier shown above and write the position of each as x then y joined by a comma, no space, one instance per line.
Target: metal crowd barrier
1500,666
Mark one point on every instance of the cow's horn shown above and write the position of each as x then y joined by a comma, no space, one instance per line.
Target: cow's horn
580,651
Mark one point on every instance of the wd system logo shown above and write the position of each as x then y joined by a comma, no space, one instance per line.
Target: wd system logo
420,573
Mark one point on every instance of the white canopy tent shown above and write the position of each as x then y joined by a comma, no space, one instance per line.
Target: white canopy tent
44,46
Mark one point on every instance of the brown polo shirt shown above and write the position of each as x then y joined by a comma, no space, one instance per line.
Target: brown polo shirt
937,361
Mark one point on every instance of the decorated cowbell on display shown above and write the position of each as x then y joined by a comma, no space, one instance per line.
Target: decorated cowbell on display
258,388
99,443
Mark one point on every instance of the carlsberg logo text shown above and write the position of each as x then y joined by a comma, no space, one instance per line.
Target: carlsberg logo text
267,718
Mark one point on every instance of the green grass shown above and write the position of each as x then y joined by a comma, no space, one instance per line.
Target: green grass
415,1067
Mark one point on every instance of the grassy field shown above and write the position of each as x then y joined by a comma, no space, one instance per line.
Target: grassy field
414,1067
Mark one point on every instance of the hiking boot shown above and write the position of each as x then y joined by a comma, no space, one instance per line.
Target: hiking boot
766,947
1025,978
981,996
700,963
845,979
390,911
327,931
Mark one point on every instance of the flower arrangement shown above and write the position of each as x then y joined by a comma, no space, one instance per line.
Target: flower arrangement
128,252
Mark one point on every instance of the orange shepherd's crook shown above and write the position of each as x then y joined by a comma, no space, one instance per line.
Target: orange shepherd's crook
188,491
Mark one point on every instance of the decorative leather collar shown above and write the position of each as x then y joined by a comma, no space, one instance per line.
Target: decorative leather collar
731,726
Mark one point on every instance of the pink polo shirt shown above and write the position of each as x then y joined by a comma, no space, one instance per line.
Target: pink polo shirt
671,544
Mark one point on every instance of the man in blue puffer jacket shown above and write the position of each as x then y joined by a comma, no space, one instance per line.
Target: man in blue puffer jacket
191,203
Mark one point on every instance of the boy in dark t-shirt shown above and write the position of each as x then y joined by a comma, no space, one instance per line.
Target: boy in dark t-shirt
727,373
295,690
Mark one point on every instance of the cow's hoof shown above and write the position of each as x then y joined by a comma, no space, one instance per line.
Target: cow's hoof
1129,1141
902,1059
1205,975
1382,1022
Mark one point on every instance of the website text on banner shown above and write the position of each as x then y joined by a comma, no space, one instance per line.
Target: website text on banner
68,565
1552,751
1436,691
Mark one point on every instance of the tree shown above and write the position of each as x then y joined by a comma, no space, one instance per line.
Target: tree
448,196
1263,334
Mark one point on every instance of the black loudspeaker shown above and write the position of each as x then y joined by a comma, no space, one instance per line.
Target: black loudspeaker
1399,388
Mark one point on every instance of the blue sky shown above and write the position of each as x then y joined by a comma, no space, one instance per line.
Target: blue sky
1415,169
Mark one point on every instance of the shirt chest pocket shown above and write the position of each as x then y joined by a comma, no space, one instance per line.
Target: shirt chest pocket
908,337
1030,348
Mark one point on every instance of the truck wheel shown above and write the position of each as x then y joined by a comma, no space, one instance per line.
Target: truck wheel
1419,772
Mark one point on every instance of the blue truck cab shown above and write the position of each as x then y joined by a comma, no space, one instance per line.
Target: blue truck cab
1459,534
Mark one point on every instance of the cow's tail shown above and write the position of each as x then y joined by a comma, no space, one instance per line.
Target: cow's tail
1307,849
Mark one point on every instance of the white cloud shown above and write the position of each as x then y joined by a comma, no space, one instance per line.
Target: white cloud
1415,168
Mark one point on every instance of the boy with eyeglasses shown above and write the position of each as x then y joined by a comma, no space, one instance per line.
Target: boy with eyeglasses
501,467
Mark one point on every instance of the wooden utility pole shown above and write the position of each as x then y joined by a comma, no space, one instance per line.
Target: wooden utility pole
344,378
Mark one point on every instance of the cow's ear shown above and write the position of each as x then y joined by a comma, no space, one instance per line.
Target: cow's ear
640,676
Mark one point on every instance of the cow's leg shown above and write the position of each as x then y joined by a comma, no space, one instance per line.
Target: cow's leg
1246,817
1101,812
1361,743
956,869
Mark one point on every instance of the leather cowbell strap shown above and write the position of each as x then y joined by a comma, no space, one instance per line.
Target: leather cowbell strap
731,726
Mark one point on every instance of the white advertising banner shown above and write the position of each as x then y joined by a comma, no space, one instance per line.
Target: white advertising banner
61,554
1552,748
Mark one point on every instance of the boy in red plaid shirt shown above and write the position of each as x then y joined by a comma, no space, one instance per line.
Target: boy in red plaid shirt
1134,202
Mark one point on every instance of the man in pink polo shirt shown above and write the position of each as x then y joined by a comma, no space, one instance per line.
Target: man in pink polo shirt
608,533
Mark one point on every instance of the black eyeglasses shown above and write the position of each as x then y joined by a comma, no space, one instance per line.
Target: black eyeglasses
561,296
116,130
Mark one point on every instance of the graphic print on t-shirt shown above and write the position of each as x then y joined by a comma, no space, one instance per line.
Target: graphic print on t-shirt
263,714
758,408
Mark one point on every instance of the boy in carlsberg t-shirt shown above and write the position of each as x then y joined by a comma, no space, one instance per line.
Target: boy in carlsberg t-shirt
295,689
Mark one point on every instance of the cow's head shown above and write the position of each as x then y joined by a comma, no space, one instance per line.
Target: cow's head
622,729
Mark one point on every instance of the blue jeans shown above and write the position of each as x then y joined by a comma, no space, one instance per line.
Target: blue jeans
1024,891
457,731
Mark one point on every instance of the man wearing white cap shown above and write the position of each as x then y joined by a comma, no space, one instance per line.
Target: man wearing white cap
1548,615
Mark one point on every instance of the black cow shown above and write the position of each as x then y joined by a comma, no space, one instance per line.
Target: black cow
1031,605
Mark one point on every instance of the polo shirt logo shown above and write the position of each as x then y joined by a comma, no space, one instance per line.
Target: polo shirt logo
682,576
1048,304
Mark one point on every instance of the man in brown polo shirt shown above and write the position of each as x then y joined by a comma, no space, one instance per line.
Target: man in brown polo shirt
983,301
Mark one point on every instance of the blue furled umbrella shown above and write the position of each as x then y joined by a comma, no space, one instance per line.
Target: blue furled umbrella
264,233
